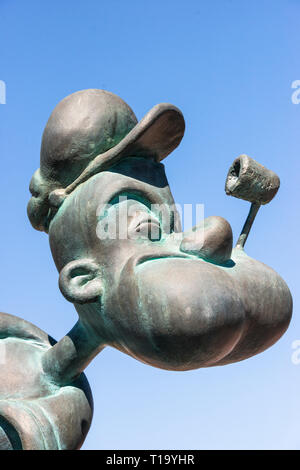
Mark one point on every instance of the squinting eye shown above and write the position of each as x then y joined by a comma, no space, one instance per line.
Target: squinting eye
132,219
148,228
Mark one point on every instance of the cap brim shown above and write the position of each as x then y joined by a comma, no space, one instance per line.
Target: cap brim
155,136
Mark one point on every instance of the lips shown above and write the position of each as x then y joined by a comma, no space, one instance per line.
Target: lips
153,257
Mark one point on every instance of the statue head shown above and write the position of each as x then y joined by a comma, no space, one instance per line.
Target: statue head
170,299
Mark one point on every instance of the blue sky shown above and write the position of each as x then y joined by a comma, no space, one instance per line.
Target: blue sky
229,66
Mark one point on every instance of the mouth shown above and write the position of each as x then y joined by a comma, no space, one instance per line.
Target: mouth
153,257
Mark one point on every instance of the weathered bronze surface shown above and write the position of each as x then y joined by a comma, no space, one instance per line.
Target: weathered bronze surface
174,300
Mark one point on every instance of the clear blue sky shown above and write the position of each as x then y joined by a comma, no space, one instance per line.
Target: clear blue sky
229,66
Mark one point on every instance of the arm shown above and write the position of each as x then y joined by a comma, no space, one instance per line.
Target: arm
35,412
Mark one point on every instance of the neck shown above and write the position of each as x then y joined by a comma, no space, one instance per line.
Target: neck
65,361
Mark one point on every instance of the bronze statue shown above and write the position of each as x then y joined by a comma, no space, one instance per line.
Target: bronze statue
174,300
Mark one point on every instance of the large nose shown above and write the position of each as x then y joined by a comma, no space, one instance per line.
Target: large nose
211,240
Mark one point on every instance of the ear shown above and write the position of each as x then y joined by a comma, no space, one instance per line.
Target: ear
80,282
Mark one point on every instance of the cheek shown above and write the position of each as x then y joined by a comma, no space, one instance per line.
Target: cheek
178,314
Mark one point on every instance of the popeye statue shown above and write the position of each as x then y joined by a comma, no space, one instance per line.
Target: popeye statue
173,300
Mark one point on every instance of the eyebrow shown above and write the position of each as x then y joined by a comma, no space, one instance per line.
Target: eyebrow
131,195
